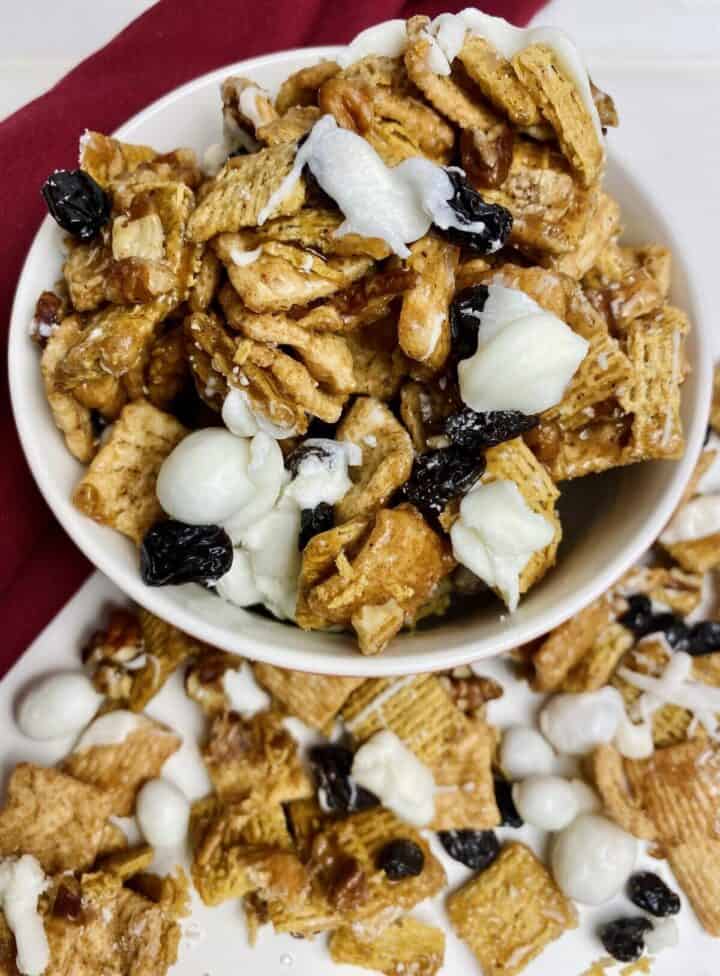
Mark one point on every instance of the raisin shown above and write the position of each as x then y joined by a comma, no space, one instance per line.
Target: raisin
465,314
173,552
313,521
401,858
76,202
638,614
676,631
624,938
649,892
337,791
321,429
475,431
704,638
477,849
640,619
438,476
296,457
470,208
509,817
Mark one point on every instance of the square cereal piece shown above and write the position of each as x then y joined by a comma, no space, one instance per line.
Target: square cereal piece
696,865
509,913
696,555
110,161
255,755
204,680
406,946
514,461
72,418
118,753
315,699
496,79
424,326
540,71
463,773
601,227
165,648
597,667
54,817
242,189
347,886
306,819
118,489
378,363
416,708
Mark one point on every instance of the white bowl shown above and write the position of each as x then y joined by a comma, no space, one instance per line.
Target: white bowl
609,521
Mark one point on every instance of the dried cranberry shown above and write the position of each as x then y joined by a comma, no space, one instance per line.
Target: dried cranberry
465,315
438,476
313,521
475,431
509,817
401,858
477,849
304,451
337,791
173,552
470,208
704,638
649,892
624,938
76,202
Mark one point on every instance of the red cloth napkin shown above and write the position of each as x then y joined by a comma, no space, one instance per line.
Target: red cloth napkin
174,41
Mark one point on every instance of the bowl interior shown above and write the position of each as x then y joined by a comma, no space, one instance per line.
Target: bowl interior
608,520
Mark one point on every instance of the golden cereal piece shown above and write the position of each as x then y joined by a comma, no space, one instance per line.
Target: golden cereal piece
379,365
376,624
166,648
421,560
204,680
541,72
167,372
315,699
120,769
550,289
510,912
54,817
315,228
289,127
603,225
495,77
424,326
246,103
406,946
423,407
621,801
118,489
698,555
416,708
319,561
514,461
70,416
241,190
347,886
133,280
696,865
85,272
207,282
306,820
625,283
387,457
597,667
655,349
254,755
110,161
443,93
463,771
126,863
301,87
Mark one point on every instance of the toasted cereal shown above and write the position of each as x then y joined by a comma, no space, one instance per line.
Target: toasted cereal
118,488
56,818
120,769
110,162
621,801
495,77
128,862
314,228
697,555
319,561
407,945
696,865
204,680
246,104
424,326
85,271
378,363
207,282
71,417
305,818
315,699
301,87
597,667
510,912
463,773
604,223
290,127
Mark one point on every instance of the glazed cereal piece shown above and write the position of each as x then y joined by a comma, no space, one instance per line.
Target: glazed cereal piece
246,105
620,801
237,851
407,945
128,862
463,774
207,282
314,228
166,648
444,93
301,88
241,190
541,72
119,931
625,283
315,699
551,211
387,457
379,365
54,817
365,301
204,680
167,373
119,769
254,755
496,79
347,885
321,556
284,275
655,349
71,417
289,127
85,271
550,289
424,327
697,555
603,225
367,592
118,489
509,913
513,461
110,161
306,819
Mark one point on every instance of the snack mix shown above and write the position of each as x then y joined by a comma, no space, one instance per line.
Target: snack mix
380,325
338,805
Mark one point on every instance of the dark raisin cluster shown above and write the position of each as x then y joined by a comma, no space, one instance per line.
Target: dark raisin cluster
624,938
477,849
313,521
465,314
476,431
470,208
76,202
696,639
173,553
401,858
337,791
649,892
439,476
